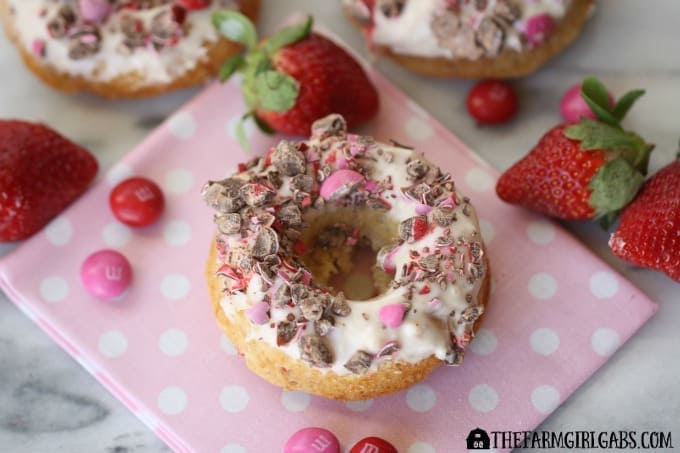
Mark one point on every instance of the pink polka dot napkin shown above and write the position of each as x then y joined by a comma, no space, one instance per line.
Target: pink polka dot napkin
556,315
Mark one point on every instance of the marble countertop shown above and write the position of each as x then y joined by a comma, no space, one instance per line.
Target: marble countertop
48,403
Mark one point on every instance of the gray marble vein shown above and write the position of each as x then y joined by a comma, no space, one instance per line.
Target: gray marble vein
49,404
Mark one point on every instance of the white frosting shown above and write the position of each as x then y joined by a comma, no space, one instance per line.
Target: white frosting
427,328
157,67
410,33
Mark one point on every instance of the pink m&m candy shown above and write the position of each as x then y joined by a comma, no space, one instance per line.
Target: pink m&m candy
539,28
106,274
312,440
573,106
137,202
95,10
340,183
373,445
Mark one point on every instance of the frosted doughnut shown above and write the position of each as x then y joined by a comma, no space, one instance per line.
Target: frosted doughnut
470,38
120,48
289,221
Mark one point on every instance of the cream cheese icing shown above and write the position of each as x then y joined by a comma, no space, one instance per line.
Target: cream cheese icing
30,19
437,259
411,31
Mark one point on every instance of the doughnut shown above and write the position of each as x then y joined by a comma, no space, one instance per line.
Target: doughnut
470,39
291,222
119,48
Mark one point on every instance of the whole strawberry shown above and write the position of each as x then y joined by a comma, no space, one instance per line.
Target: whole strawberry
295,77
649,231
41,173
588,170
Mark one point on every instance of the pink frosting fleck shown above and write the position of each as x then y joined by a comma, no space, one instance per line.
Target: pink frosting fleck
39,47
340,183
258,313
392,315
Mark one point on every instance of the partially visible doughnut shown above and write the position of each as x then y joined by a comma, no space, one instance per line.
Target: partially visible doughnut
471,39
140,48
290,221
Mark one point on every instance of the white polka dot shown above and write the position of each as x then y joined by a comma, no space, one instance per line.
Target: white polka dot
119,173
485,342
421,447
178,180
605,341
177,232
421,398
54,289
233,448
116,234
418,128
483,398
604,285
182,125
545,399
175,286
488,231
248,126
113,344
234,398
544,341
295,401
172,400
173,342
479,180
226,345
542,285
359,406
541,232
59,231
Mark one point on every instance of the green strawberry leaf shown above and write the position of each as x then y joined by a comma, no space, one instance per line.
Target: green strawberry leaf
264,127
241,132
614,186
276,92
287,36
230,66
596,135
625,103
235,27
595,91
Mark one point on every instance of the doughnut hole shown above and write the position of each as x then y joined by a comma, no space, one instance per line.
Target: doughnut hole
342,246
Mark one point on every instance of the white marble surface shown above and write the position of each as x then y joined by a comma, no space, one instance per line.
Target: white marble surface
48,403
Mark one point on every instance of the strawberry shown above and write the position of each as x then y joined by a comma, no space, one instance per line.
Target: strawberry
295,77
588,170
193,4
41,173
649,231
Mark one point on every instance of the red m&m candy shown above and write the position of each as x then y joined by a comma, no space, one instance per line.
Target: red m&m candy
312,440
373,445
137,202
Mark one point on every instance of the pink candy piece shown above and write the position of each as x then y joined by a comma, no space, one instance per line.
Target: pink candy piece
392,315
39,47
259,313
95,10
308,440
539,28
340,183
573,107
423,209
106,274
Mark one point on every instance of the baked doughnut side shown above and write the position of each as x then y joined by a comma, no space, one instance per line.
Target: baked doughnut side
280,369
508,64
128,85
